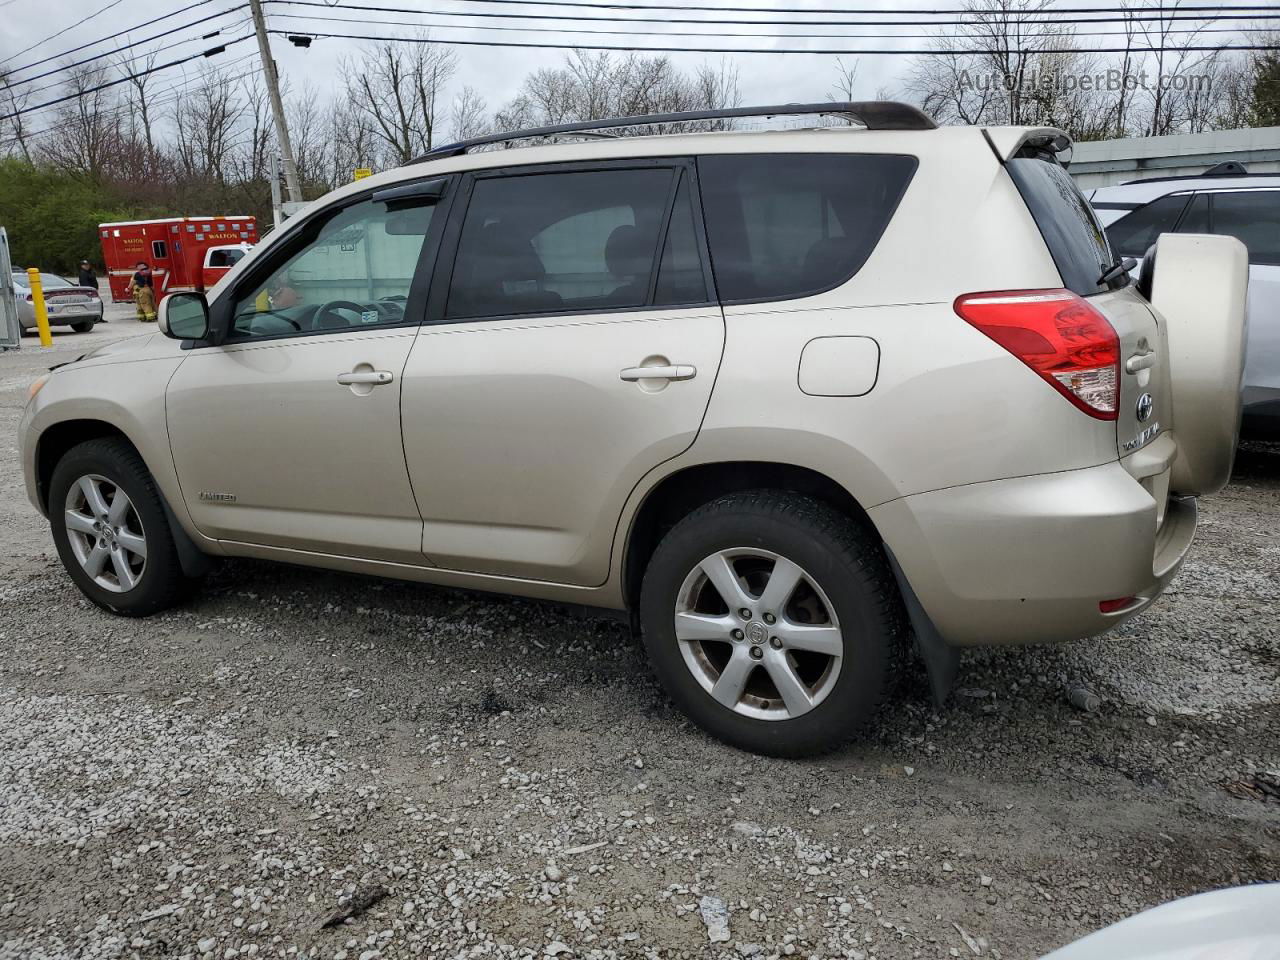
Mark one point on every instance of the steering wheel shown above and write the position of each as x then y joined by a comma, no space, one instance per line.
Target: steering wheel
328,307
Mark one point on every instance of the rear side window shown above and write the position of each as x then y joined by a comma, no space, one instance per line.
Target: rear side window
782,226
579,241
1071,231
1253,218
1132,234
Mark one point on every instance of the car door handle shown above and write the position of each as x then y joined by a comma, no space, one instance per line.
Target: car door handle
374,377
1140,361
670,371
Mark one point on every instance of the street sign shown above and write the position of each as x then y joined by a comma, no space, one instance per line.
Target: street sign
10,329
362,172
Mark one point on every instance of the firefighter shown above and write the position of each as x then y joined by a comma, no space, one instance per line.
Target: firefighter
144,293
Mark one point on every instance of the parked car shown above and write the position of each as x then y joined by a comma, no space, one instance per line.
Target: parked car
697,377
65,303
1238,923
1229,201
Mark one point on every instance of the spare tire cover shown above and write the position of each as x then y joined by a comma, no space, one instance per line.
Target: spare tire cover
1200,291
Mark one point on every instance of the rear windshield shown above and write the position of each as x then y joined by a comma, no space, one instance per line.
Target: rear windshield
1070,229
791,225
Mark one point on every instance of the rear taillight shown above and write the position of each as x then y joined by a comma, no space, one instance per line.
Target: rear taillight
93,294
1057,334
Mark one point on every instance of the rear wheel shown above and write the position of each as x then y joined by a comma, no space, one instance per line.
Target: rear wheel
772,620
83,327
110,528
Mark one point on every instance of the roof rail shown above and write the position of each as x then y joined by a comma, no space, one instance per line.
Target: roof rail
872,114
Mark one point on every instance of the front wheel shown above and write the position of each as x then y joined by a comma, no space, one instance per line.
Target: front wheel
111,531
772,620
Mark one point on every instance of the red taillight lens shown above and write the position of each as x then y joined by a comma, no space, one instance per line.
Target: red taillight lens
93,294
1057,334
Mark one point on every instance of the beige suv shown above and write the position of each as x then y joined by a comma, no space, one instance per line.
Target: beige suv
795,399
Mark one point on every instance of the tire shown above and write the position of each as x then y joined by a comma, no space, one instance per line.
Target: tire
843,582
83,327
111,466
1194,277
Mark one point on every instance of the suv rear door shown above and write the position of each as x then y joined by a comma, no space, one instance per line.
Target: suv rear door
573,341
1079,247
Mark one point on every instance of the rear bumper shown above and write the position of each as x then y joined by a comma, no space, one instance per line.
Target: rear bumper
1028,560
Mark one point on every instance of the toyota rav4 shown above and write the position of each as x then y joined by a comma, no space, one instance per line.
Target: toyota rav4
798,400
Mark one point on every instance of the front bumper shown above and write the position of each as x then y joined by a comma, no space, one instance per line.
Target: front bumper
1028,560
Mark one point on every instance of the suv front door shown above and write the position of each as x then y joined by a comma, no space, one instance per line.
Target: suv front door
573,351
288,433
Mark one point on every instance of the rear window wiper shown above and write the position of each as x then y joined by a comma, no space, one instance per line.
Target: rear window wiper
1118,269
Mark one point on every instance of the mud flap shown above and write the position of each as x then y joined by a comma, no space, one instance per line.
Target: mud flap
194,563
941,660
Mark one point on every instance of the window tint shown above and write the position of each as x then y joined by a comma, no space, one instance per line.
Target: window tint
680,276
1070,229
355,271
790,225
1253,218
225,258
1133,233
579,241
1196,219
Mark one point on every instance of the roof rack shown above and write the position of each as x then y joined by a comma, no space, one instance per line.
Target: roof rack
872,114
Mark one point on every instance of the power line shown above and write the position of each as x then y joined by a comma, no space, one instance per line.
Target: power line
120,33
213,51
115,50
54,36
715,35
161,99
736,22
779,50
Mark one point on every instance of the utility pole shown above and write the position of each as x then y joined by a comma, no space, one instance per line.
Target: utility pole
277,107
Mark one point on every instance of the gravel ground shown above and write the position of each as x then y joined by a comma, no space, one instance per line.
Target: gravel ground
486,777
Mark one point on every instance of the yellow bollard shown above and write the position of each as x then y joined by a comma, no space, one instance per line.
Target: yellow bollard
37,301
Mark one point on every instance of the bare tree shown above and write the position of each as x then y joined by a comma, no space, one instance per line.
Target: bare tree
12,101
205,121
139,103
591,86
467,115
396,87
85,135
845,82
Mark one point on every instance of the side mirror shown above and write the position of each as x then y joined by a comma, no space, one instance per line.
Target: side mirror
184,316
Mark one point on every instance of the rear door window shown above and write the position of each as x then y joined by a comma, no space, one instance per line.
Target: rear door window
782,226
577,241
1253,218
1133,233
1071,230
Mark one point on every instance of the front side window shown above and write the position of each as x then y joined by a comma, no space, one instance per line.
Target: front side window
1133,233
353,272
790,225
578,241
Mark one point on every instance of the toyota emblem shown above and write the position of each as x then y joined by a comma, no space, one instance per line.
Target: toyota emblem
1145,406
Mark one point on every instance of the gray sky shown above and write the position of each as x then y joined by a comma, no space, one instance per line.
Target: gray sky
495,72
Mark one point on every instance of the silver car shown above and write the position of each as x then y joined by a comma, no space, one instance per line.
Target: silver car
1225,201
700,378
68,305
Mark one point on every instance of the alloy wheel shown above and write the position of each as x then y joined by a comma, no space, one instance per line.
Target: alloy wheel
758,634
105,533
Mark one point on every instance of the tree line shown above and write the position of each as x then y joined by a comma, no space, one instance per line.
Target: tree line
151,147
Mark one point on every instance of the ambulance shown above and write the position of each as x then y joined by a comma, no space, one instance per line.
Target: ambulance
185,253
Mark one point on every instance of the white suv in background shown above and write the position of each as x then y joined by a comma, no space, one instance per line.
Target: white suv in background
1229,201
698,377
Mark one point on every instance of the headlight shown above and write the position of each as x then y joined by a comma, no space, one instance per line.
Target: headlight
36,386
